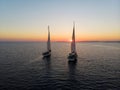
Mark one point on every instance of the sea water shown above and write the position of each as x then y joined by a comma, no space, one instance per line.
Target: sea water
22,66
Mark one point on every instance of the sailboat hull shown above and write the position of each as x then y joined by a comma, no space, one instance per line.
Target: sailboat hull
72,60
72,57
47,54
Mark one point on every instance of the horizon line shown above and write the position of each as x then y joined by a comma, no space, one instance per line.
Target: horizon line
60,41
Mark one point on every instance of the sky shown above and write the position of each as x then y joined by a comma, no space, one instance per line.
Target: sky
27,20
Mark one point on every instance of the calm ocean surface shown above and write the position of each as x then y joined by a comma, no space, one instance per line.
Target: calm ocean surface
22,67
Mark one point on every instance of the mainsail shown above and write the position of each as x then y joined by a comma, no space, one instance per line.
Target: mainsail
73,46
48,42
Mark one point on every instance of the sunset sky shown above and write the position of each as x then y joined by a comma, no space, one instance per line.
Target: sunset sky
27,20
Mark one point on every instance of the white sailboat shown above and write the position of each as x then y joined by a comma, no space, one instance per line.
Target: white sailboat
48,52
73,55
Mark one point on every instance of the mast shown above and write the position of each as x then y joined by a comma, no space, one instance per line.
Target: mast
48,42
73,46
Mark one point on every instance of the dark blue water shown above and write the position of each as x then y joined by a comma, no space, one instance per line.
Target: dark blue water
23,68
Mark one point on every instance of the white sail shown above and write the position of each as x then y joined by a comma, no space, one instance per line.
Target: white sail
73,46
48,42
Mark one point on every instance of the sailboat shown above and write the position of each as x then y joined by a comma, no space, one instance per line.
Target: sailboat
73,55
48,52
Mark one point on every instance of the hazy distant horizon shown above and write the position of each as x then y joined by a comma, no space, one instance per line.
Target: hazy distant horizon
57,41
